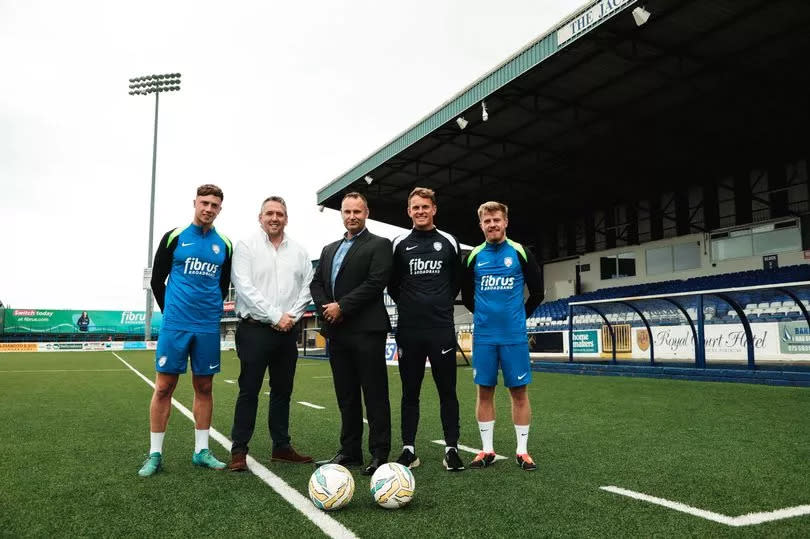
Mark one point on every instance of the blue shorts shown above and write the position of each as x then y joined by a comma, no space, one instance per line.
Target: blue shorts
512,358
175,347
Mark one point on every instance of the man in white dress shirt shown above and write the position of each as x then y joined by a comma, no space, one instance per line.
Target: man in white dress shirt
271,274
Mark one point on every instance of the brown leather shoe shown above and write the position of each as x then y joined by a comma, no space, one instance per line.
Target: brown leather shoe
238,462
288,454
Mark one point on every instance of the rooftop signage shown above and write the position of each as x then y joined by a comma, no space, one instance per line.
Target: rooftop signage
588,18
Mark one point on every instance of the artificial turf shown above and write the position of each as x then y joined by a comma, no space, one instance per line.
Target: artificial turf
74,431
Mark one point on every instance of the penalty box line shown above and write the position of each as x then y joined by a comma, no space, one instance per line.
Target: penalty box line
749,519
327,524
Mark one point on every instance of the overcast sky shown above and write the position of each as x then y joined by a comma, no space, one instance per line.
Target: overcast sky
276,98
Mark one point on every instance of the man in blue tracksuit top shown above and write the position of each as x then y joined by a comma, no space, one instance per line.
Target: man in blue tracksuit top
197,262
495,275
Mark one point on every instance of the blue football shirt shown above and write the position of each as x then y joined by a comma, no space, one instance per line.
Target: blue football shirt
193,299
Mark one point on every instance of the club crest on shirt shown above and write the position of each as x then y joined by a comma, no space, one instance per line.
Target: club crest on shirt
507,261
437,245
215,248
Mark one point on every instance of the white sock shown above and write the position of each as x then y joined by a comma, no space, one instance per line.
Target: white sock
486,429
200,440
409,448
156,441
522,433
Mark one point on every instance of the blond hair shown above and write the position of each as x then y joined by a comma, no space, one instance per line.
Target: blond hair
491,207
423,192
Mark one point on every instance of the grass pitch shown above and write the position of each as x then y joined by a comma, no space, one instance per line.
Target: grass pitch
74,431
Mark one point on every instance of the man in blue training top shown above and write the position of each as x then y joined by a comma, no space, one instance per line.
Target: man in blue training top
197,262
495,275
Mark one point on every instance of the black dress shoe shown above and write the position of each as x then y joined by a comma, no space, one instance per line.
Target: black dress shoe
373,465
343,460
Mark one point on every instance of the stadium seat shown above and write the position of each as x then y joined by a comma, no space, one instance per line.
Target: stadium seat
786,307
770,310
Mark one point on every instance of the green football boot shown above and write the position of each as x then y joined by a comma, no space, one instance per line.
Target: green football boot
206,459
151,465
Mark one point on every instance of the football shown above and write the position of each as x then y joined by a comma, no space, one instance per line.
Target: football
331,487
392,485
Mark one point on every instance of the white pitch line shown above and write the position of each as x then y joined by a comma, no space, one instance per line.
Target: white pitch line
365,421
469,449
230,381
749,519
314,377
305,403
767,516
327,524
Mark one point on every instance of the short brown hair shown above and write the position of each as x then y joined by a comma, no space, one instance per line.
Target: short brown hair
423,192
492,206
355,194
210,189
274,198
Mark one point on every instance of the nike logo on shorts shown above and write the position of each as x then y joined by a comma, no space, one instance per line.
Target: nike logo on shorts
522,376
445,351
212,367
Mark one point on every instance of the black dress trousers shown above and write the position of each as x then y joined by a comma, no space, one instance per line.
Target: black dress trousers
358,369
263,349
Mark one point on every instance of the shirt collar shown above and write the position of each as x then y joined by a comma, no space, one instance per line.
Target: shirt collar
424,233
267,238
199,230
355,236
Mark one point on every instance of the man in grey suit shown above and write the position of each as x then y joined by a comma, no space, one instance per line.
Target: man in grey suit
347,289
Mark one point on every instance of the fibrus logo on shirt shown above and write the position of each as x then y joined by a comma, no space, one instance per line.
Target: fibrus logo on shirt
195,266
490,282
417,266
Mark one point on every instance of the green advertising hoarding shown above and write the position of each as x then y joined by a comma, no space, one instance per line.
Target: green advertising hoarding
60,321
586,341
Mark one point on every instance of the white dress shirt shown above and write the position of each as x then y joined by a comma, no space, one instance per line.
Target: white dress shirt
270,281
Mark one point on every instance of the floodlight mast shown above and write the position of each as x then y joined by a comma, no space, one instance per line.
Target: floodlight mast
152,84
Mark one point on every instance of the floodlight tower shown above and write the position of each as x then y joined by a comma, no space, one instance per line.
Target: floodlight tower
152,84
